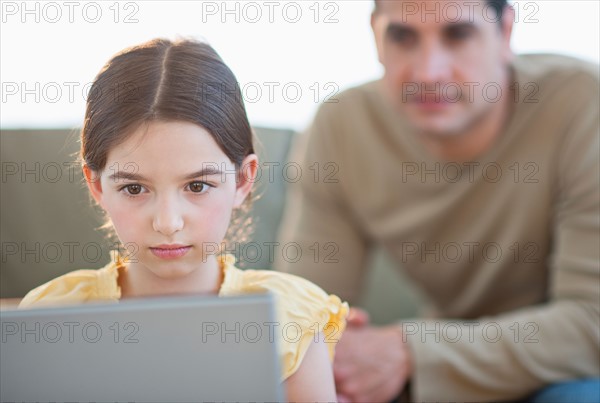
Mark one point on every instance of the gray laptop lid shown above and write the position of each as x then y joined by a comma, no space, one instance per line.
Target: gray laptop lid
150,350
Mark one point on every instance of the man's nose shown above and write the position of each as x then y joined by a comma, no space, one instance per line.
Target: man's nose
432,64
168,217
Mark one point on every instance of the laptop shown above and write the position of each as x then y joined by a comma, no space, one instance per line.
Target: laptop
148,350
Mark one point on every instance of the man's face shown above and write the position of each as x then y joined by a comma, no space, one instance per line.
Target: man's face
445,61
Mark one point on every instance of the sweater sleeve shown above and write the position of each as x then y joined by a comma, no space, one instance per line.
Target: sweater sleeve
511,355
329,246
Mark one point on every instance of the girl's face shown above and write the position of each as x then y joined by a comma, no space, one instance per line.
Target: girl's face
169,191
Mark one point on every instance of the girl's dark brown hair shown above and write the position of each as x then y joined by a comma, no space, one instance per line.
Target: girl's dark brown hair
183,80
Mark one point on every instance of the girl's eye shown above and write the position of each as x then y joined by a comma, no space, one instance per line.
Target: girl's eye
199,187
132,190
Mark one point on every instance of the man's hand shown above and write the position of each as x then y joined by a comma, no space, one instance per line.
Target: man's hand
357,317
371,363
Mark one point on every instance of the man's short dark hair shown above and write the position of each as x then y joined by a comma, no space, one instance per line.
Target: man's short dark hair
497,5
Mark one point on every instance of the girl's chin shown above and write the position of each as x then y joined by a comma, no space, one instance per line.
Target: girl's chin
171,272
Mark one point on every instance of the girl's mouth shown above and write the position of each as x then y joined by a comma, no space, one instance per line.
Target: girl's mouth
170,251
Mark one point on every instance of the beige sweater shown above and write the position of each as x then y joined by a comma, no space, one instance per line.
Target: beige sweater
506,247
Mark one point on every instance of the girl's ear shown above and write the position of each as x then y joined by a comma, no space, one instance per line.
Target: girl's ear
92,180
246,178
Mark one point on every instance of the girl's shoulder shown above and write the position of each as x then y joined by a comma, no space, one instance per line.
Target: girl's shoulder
76,287
303,309
299,294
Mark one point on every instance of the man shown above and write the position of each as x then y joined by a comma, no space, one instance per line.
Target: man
479,173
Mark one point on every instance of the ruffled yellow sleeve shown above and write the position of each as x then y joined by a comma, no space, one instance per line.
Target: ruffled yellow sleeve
76,287
303,310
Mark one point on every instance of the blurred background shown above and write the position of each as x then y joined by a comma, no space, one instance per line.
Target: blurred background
288,56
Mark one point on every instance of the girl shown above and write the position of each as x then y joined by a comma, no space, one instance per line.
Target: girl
167,152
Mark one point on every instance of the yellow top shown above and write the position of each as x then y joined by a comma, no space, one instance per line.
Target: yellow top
296,299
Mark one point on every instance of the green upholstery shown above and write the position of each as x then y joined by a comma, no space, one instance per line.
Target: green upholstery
46,213
48,222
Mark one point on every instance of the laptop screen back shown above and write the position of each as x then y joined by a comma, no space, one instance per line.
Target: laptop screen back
151,350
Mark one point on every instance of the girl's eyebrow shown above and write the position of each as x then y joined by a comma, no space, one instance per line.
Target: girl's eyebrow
120,175
207,171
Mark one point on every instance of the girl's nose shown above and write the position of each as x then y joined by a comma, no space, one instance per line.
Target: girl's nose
168,218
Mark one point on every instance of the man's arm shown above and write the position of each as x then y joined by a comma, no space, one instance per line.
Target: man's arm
508,356
511,355
318,218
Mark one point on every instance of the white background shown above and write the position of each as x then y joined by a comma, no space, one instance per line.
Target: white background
307,54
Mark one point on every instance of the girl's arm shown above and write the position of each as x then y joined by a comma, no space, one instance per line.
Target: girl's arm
313,381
